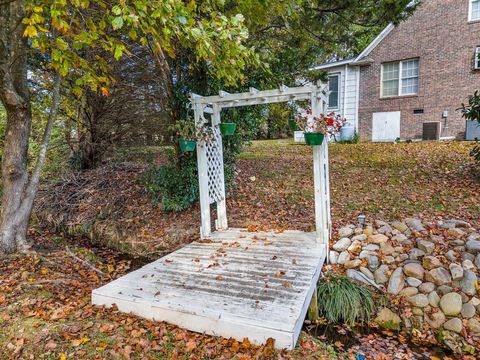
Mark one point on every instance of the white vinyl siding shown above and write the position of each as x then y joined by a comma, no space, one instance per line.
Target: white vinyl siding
474,10
334,88
348,92
400,78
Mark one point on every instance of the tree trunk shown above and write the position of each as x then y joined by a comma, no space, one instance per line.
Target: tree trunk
14,96
19,189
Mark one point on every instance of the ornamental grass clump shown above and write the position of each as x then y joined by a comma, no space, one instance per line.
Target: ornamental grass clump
343,301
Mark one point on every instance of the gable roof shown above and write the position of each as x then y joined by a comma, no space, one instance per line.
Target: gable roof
358,59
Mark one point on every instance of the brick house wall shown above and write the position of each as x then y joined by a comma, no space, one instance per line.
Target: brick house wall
443,39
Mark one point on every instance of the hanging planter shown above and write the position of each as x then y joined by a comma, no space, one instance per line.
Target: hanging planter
228,129
314,138
186,145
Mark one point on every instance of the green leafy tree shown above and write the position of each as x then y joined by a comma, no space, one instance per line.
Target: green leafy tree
62,34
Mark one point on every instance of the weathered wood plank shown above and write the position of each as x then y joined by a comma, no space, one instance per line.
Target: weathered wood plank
236,284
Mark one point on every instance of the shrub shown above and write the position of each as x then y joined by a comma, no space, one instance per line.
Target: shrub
341,300
173,186
471,111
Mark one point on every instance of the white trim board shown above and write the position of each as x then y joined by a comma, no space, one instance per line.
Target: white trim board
230,299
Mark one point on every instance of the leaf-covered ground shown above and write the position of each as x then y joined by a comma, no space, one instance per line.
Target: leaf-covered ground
386,181
45,309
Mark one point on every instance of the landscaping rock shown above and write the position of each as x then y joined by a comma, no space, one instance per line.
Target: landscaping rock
473,246
342,244
474,326
381,274
426,287
411,281
477,261
426,246
451,304
400,226
396,282
435,320
385,229
433,299
469,283
388,319
454,324
345,232
467,265
343,257
367,273
467,256
352,264
371,247
408,292
474,301
431,262
377,238
360,237
414,224
419,300
333,255
444,289
414,270
451,255
468,311
473,236
388,260
416,253
455,233
386,249
439,276
356,247
373,262
456,271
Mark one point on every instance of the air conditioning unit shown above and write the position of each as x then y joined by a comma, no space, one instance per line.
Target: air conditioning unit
431,131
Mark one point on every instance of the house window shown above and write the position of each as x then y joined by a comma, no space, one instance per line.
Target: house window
474,10
334,88
477,58
400,78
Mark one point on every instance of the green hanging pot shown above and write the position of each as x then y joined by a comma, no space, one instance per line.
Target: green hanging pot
293,125
314,138
186,145
228,129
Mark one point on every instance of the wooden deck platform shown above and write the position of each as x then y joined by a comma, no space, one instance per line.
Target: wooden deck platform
235,284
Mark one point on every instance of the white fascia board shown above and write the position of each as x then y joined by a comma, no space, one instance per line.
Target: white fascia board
332,64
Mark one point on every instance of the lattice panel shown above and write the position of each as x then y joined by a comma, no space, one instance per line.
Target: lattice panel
216,186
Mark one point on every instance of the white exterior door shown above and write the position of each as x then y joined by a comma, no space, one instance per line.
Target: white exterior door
385,126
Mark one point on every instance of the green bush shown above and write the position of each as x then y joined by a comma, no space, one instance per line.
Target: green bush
173,186
341,300
471,112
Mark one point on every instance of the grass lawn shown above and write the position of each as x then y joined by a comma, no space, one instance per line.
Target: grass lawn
45,310
385,181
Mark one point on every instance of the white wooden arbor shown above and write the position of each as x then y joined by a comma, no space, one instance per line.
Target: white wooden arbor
210,155
234,283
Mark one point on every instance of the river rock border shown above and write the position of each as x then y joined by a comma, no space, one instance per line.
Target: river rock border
429,271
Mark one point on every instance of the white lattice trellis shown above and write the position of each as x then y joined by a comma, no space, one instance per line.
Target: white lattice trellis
216,186
210,155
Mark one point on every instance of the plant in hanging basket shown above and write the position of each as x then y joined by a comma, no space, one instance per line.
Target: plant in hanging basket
316,127
189,134
228,129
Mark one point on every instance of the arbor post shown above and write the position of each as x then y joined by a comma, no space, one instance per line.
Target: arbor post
221,222
202,163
